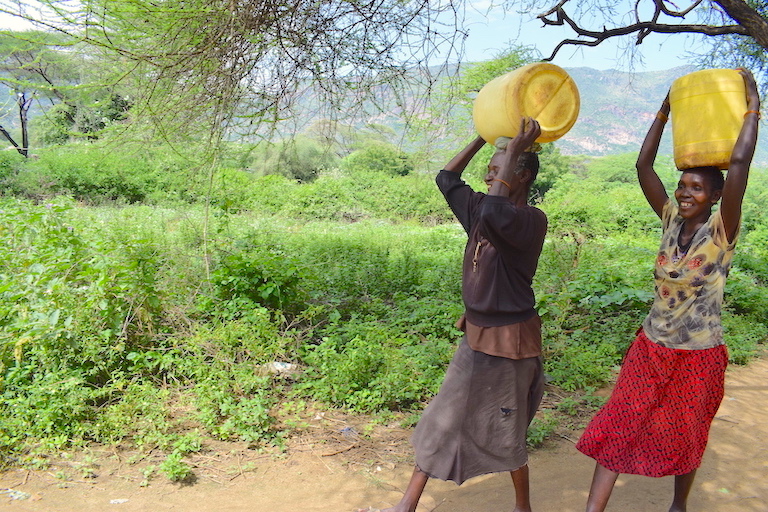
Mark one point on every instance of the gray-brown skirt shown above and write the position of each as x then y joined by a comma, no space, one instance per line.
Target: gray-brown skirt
477,423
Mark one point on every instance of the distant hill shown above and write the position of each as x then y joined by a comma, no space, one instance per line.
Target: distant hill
617,108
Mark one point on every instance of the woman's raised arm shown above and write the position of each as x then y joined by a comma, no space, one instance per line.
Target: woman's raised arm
462,159
652,186
741,159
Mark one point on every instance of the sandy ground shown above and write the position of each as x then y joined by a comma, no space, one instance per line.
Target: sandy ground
336,472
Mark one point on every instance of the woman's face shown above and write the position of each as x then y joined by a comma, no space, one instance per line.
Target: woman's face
493,169
494,166
694,195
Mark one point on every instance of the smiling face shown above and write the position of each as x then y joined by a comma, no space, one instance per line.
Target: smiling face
696,193
519,178
493,169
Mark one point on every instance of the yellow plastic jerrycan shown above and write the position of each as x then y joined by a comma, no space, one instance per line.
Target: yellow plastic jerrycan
542,90
707,110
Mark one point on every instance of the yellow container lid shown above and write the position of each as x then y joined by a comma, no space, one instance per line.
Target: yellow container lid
542,90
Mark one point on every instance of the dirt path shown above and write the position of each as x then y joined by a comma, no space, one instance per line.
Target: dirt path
340,473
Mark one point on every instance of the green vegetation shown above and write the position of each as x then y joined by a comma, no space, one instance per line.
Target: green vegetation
143,302
163,281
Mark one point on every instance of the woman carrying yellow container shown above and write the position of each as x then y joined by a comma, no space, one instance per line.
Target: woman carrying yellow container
656,422
477,422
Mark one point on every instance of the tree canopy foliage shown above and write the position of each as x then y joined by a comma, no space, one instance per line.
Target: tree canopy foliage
32,67
55,72
249,61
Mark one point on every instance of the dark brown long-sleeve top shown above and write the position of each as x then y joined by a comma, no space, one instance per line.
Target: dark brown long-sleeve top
500,260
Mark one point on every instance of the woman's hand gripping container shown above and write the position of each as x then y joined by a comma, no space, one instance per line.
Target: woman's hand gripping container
707,110
542,91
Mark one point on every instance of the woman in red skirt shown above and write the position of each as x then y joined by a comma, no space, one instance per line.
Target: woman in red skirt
657,420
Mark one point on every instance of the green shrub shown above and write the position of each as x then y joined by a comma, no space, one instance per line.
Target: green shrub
175,468
269,195
379,157
251,276
10,163
578,364
370,367
234,403
137,411
743,335
540,429
746,295
254,337
300,159
54,405
94,173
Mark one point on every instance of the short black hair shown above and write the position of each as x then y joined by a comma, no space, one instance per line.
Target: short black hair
530,161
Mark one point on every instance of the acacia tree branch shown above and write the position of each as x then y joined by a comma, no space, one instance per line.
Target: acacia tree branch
661,6
554,9
643,28
654,19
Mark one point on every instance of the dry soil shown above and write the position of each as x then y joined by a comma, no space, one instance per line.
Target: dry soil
338,465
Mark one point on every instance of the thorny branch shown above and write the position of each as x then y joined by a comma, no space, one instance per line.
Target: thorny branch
749,23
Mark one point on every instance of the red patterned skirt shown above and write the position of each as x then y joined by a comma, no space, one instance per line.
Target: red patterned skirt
656,422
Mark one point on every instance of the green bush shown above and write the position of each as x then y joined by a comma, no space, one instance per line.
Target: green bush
743,335
89,173
56,126
138,323
370,367
10,163
70,299
253,276
300,159
379,157
54,406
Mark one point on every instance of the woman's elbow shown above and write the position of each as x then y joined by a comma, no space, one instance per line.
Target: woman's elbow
740,159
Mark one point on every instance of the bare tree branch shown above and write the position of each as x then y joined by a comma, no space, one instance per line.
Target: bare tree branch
661,6
749,23
4,132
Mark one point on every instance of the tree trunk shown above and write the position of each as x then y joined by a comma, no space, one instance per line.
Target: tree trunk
747,17
24,104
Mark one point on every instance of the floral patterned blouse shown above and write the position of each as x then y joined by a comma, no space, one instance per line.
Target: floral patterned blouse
689,284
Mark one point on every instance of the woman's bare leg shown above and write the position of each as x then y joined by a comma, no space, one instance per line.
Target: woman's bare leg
603,481
683,484
412,493
522,489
